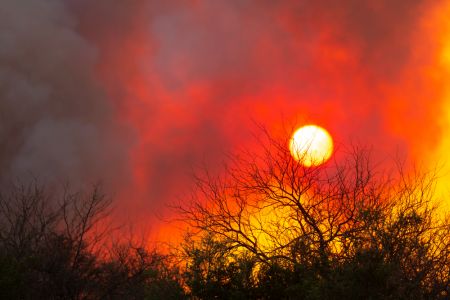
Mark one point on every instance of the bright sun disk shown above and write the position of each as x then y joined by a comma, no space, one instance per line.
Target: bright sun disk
311,145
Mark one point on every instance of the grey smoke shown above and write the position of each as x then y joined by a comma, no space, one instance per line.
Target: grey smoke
55,122
58,122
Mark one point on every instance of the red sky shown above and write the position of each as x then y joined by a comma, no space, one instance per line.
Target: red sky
190,78
183,82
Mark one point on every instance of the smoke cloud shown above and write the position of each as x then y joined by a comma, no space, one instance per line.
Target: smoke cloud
137,92
55,122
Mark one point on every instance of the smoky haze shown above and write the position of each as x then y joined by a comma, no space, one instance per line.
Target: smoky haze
136,92
56,123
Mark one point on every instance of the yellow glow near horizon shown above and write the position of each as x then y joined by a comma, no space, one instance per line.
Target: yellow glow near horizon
311,145
438,26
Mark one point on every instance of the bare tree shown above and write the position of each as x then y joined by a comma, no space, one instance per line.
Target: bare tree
58,246
53,241
325,218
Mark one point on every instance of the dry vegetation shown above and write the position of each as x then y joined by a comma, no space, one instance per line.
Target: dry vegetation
265,228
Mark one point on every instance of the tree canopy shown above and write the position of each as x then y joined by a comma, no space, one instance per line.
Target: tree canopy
343,230
264,227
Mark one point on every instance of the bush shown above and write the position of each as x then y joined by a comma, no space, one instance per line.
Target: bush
338,231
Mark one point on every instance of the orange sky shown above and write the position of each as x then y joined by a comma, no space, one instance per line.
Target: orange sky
189,78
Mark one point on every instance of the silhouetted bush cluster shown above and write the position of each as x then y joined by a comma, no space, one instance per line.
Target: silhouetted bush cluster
57,248
265,228
269,228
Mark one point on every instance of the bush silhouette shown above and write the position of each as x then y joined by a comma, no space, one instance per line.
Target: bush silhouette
343,230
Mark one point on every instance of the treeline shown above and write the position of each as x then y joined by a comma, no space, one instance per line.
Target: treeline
61,248
265,228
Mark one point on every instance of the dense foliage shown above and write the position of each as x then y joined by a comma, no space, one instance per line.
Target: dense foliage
270,228
58,248
265,228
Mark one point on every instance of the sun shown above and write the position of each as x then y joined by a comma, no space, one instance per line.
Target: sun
311,145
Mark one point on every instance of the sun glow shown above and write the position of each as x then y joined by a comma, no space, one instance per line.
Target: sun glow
311,145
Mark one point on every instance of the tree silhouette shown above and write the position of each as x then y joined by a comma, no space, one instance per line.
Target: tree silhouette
55,246
266,227
346,229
